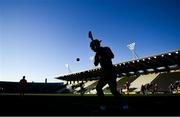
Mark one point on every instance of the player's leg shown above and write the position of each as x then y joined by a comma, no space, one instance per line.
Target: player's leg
117,95
100,85
113,87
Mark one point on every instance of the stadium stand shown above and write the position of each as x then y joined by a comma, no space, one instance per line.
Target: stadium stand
157,63
121,84
123,80
164,80
13,87
105,88
86,85
140,71
143,80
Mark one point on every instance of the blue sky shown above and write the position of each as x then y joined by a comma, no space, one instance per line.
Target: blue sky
38,37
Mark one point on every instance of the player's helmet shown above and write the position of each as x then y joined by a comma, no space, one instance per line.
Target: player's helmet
95,42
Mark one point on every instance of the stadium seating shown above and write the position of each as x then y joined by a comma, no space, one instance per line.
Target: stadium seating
142,80
164,79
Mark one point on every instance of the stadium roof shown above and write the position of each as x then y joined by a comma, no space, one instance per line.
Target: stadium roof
152,64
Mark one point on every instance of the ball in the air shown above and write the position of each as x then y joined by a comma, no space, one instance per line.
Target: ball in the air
77,59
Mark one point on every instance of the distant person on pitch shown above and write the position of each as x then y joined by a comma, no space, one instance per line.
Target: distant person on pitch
108,74
23,85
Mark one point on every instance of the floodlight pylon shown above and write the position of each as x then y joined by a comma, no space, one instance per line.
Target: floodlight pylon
68,68
132,49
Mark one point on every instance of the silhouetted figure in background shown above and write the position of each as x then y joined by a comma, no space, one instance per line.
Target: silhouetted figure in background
23,85
108,74
143,89
127,84
176,86
171,88
82,90
153,88
1,89
147,87
46,80
156,87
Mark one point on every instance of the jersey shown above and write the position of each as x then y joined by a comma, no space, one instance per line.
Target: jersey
23,83
104,57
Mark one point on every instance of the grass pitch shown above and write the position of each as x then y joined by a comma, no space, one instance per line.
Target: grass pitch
34,104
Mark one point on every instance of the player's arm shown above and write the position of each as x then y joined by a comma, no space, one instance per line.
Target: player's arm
96,60
110,53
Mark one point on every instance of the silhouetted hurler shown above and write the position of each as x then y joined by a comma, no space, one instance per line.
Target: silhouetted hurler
104,57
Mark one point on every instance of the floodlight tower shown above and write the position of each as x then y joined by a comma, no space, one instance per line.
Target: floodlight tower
69,71
67,66
132,49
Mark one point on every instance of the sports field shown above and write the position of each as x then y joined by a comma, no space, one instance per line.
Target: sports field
74,104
